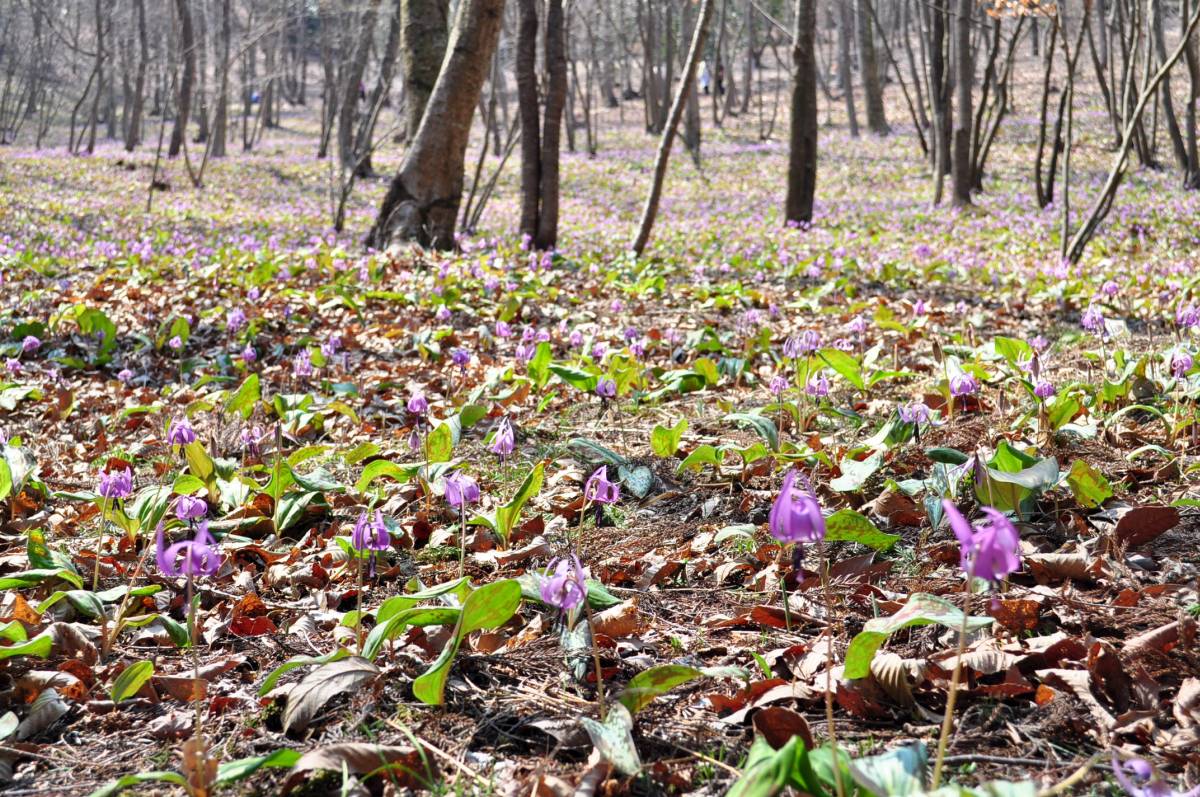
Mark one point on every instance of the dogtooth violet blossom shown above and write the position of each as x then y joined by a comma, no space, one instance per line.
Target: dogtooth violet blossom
1187,317
606,389
196,557
116,483
30,344
370,535
817,386
1043,389
188,507
503,441
913,412
1181,363
418,404
564,585
180,433
600,490
778,385
796,515
1139,779
990,550
1093,320
461,490
963,384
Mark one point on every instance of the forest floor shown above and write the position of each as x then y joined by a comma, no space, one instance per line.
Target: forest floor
1090,648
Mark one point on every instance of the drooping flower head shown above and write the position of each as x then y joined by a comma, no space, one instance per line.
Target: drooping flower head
564,584
1181,363
913,412
189,507
1187,317
606,389
818,386
796,514
235,320
990,550
196,557
175,343
1139,779
180,433
503,441
1093,320
461,490
418,404
1043,389
599,489
302,366
779,384
370,534
115,484
30,344
963,384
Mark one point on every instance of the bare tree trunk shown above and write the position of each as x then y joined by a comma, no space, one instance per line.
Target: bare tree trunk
964,76
352,86
422,202
664,148
540,137
379,94
872,86
845,21
133,134
220,132
187,44
802,150
424,33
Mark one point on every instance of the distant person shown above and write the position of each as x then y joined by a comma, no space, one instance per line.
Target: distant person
705,77
720,80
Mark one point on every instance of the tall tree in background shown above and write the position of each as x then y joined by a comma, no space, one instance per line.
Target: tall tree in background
540,151
187,84
869,64
668,134
964,76
423,30
352,86
802,149
422,201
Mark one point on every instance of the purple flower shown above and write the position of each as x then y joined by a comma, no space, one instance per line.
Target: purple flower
920,308
606,389
461,490
125,376
817,386
181,433
175,343
1181,363
1043,389
1139,779
858,325
200,556
576,339
330,347
1093,320
503,330
913,412
249,355
236,320
989,551
1187,317
302,366
631,334
460,357
503,441
189,508
778,385
600,490
370,535
566,589
1110,288
796,514
1038,343
12,365
963,384
30,344
116,483
524,352
806,344
418,404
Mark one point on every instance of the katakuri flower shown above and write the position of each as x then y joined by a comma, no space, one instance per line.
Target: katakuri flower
796,514
600,490
1139,779
606,389
503,441
196,557
370,534
461,490
188,507
181,433
990,550
116,484
564,584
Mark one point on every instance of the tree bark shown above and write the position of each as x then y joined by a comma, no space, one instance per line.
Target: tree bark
422,201
133,132
869,64
845,79
352,86
187,44
964,76
423,25
802,150
664,148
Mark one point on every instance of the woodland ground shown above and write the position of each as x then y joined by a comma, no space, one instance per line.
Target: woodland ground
1065,673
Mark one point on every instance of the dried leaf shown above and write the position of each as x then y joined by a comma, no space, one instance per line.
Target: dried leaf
322,685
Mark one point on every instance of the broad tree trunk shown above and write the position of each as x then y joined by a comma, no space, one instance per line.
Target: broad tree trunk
872,85
423,25
187,45
220,132
802,150
133,132
540,137
422,201
964,76
845,21
664,148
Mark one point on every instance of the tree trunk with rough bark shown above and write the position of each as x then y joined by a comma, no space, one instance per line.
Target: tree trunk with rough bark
421,204
187,45
869,64
423,26
802,149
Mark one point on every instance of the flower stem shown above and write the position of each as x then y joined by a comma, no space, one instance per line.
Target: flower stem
587,607
948,719
100,542
358,614
829,610
196,687
462,539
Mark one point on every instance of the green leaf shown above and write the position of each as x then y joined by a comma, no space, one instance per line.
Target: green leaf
946,456
855,473
594,453
702,455
575,377
337,654
760,423
39,646
200,464
382,467
614,739
247,396
30,578
318,480
921,609
638,479
440,443
846,525
131,680
233,771
846,365
664,441
896,773
121,784
490,606
1088,485
649,684
504,519
390,627
1011,491
538,368
1012,349
1062,410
